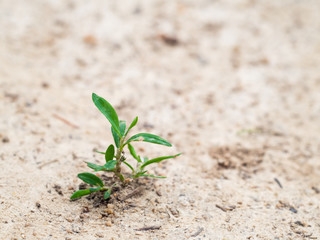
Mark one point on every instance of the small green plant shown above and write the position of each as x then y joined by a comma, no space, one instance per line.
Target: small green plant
114,156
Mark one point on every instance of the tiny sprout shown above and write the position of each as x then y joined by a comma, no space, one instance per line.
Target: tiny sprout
114,155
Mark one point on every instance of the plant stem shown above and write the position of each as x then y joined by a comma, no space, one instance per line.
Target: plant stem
117,170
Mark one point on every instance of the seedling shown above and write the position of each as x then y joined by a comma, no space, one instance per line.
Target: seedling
114,156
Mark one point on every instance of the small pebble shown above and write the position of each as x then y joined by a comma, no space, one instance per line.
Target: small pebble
292,209
174,211
302,224
158,192
90,40
76,228
111,206
108,223
100,235
69,220
206,216
109,211
45,85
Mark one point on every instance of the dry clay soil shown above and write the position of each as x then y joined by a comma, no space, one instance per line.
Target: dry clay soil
234,85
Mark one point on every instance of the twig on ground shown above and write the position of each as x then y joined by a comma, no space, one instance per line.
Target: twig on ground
225,209
315,189
197,232
134,192
169,212
149,228
64,120
278,182
47,163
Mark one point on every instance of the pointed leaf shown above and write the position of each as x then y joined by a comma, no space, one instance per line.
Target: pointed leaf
84,192
100,152
147,175
133,152
122,127
147,137
91,179
107,110
110,165
94,189
116,137
134,122
139,174
109,153
158,159
132,169
95,167
80,193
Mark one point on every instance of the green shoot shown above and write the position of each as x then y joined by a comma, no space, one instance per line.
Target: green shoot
114,155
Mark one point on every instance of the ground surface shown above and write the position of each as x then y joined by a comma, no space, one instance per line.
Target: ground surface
233,84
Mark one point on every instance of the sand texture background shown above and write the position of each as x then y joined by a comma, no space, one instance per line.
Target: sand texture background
234,85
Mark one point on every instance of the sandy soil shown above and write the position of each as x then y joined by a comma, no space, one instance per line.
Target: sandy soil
232,84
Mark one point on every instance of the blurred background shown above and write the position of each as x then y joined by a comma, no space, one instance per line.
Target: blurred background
233,84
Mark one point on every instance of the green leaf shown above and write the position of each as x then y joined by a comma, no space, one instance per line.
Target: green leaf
80,193
139,174
91,179
107,110
122,127
100,152
109,153
95,167
110,165
133,152
129,165
147,175
84,192
116,137
158,159
134,122
147,137
94,189
107,194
